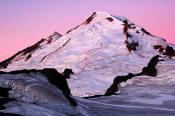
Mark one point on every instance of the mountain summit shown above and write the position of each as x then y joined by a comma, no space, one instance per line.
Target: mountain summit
101,48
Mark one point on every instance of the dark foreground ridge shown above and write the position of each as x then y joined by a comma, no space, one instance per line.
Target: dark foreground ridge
5,101
54,77
9,114
4,92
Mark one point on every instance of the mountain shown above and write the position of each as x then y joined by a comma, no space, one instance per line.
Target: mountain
107,55
98,50
28,52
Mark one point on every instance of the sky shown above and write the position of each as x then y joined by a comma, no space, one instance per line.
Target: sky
24,22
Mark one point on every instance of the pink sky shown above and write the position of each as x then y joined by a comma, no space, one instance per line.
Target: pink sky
24,22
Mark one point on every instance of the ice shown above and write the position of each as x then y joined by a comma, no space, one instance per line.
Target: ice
29,88
96,52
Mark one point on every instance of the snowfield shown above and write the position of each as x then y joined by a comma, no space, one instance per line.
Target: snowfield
98,50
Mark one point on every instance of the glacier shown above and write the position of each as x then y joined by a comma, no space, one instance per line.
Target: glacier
98,50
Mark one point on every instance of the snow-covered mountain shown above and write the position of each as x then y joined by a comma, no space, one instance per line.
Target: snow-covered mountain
27,53
103,51
99,49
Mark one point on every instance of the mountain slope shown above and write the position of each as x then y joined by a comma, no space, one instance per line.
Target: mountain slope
98,50
26,53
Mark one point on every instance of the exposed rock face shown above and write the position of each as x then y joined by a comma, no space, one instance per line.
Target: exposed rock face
109,19
90,18
132,45
168,51
150,70
28,50
86,22
114,87
146,32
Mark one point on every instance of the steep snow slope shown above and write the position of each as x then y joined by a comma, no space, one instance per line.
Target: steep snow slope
27,53
97,50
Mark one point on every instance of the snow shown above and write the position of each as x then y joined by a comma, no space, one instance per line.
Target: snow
35,96
29,88
96,52
159,100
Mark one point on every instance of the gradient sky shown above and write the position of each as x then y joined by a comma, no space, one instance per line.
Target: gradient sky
24,22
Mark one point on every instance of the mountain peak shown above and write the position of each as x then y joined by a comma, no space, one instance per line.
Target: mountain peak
96,50
102,18
54,37
55,34
99,16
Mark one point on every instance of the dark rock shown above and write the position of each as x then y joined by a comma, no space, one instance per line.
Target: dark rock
5,101
133,27
67,72
128,35
58,79
126,26
72,29
151,70
49,40
90,18
9,114
169,51
30,49
4,92
29,56
158,47
33,47
114,87
137,31
131,46
143,30
109,19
